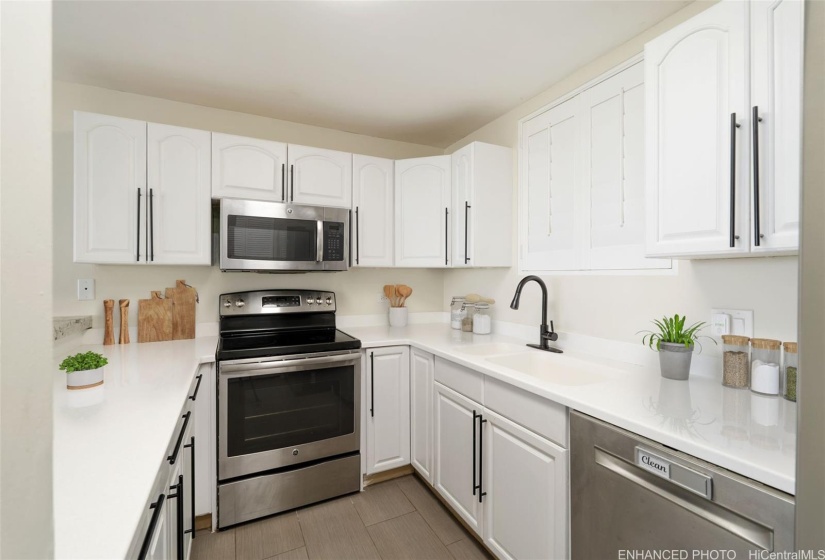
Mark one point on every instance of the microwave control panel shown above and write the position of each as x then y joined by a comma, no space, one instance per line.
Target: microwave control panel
333,241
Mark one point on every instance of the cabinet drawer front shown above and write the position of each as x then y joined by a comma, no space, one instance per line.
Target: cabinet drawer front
459,378
544,417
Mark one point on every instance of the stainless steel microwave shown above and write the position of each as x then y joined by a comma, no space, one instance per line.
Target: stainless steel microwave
280,237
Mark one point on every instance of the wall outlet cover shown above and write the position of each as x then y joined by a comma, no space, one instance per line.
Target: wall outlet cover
741,321
86,289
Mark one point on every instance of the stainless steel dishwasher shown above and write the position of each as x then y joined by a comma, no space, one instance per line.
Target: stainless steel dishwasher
630,493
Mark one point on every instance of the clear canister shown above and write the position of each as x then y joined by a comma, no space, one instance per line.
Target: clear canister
482,323
765,359
736,371
457,312
467,320
791,372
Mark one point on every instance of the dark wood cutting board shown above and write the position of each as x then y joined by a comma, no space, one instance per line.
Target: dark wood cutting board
154,319
183,299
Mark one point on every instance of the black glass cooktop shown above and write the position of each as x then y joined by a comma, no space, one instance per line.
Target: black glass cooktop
282,343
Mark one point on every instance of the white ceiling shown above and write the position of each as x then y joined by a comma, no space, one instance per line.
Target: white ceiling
423,72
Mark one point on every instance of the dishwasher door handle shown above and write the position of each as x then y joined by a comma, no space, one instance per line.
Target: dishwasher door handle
744,528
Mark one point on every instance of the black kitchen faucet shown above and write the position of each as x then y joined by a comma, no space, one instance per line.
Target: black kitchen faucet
545,334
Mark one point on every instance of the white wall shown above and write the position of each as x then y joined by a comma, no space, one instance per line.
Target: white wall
26,369
358,290
616,307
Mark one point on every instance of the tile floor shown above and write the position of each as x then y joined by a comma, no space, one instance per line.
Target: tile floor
395,520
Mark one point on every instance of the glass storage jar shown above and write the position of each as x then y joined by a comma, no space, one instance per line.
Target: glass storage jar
457,312
765,355
467,320
791,373
736,370
482,323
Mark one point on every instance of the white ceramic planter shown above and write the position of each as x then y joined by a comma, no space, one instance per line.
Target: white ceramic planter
84,379
398,316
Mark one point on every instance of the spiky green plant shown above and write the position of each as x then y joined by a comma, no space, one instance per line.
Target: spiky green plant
672,329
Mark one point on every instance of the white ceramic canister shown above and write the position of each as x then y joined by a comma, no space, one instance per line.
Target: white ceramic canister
398,316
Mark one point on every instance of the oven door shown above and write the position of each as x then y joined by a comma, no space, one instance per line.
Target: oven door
274,414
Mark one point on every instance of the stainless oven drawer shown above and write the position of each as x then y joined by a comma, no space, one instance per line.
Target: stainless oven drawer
256,497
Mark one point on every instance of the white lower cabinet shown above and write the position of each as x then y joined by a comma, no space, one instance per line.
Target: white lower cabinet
387,375
421,412
525,481
456,470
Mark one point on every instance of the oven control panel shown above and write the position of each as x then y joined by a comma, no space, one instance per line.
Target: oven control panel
276,301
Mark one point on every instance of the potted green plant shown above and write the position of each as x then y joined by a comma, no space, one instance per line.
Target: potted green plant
675,344
84,370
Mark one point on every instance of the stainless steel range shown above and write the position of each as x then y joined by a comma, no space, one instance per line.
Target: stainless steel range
288,404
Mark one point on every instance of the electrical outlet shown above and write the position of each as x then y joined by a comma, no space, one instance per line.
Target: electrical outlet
86,289
732,321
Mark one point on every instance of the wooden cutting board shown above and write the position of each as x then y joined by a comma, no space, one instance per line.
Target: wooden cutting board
183,299
154,319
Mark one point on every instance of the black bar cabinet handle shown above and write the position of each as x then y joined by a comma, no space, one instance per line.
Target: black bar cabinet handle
283,182
174,456
372,384
194,395
733,126
475,483
357,238
191,447
137,235
757,235
481,492
446,233
157,506
152,224
178,495
292,183
466,213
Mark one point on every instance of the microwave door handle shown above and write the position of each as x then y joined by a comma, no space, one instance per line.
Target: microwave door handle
319,251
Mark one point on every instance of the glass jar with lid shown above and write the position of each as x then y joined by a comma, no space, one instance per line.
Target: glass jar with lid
482,323
467,320
791,373
736,370
457,312
765,358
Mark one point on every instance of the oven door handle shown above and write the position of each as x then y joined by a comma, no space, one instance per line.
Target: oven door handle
260,368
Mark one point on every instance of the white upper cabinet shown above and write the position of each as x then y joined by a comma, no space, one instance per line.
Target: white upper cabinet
422,211
319,177
550,209
372,210
109,189
388,411
482,190
613,178
724,153
777,33
248,168
180,212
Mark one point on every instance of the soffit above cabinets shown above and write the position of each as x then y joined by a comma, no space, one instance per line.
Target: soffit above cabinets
422,72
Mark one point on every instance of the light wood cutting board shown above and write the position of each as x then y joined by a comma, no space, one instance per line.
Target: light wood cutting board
154,319
183,299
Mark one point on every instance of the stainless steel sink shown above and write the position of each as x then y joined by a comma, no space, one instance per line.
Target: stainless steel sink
556,368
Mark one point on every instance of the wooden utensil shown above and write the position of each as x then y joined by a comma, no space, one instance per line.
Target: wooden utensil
389,292
124,321
397,296
405,292
109,326
154,319
183,298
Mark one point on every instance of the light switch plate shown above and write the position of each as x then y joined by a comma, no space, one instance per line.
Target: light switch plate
86,289
741,321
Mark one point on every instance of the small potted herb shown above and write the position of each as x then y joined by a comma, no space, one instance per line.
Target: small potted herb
675,344
84,370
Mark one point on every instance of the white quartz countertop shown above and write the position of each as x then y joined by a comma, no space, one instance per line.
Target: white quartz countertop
110,441
750,434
